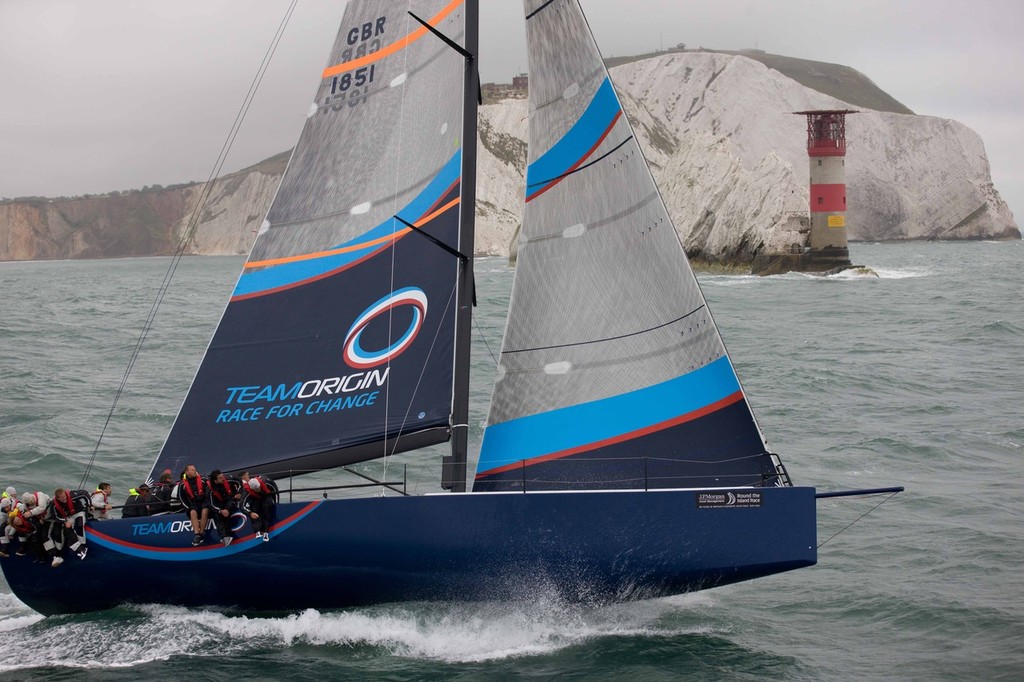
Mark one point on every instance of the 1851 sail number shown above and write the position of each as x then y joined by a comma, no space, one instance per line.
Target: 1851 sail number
352,88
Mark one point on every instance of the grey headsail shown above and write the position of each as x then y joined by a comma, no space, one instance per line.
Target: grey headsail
612,371
338,342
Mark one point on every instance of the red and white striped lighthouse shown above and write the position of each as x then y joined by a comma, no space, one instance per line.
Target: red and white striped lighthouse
826,152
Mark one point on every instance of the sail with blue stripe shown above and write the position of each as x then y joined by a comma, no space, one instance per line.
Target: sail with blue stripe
612,372
339,342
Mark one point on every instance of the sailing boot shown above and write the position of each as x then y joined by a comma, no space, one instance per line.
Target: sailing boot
57,561
197,540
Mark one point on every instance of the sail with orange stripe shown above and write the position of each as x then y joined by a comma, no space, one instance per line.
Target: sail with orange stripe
340,340
612,373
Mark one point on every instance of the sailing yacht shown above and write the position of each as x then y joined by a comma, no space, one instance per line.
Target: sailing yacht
621,459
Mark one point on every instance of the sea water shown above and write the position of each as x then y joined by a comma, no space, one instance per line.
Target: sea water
909,378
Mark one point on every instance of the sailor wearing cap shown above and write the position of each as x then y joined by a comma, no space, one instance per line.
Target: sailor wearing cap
140,502
258,501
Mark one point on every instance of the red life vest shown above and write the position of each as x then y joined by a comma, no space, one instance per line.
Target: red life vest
22,524
221,491
66,508
263,491
188,487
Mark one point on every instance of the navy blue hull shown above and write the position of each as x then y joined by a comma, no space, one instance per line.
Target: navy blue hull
340,553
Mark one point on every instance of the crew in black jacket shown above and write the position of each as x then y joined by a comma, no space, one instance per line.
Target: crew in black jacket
141,503
223,503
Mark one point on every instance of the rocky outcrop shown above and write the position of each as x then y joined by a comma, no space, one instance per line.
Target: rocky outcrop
718,132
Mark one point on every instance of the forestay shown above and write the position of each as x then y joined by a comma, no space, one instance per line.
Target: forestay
337,344
612,371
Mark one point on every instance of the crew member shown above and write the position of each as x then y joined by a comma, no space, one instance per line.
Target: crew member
193,492
35,505
66,521
8,502
258,501
140,502
26,529
100,503
163,493
222,504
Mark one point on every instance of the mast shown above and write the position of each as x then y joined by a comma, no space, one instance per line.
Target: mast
453,467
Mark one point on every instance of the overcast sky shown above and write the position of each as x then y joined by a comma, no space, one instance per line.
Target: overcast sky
100,95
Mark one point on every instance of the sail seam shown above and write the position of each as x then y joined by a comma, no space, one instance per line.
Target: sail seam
609,338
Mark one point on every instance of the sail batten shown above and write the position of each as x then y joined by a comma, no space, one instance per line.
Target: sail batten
612,372
338,342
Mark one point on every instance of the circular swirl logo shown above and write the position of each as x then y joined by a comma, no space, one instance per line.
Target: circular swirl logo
360,358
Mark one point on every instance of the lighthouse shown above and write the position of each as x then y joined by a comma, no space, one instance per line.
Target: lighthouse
824,249
826,154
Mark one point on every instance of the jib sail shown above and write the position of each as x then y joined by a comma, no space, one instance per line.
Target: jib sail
612,371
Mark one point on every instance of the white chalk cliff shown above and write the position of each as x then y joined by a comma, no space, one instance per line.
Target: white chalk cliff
731,161
717,129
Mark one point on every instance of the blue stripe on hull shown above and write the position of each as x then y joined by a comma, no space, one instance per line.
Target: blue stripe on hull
574,427
604,546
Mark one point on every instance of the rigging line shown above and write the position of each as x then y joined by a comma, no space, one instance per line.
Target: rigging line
483,338
383,482
190,229
385,455
609,338
611,151
857,519
419,380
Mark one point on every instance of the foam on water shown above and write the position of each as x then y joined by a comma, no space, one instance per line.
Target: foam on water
450,633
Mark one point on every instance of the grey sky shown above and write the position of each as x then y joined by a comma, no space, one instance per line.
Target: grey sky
116,94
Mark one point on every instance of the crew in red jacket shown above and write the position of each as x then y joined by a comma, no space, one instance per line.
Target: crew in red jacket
66,524
258,501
